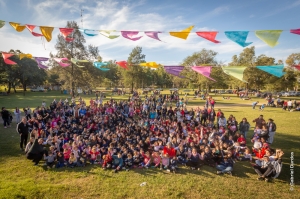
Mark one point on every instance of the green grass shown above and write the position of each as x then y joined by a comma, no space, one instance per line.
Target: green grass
19,179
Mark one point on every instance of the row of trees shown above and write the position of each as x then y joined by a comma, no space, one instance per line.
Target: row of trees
26,72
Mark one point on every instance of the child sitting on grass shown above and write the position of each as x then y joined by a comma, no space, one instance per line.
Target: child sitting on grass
147,160
72,161
117,162
50,160
60,160
156,159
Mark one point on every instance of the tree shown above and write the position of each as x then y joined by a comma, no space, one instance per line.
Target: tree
72,77
293,59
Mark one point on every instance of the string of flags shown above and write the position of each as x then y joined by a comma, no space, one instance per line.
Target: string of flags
270,37
234,71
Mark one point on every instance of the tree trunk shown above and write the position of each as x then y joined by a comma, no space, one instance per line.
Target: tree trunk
24,87
9,87
14,87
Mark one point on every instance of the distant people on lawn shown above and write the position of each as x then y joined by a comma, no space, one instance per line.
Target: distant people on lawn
5,117
150,132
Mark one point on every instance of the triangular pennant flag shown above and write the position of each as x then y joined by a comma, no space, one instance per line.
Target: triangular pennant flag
90,34
106,33
238,37
47,32
61,63
66,32
270,37
130,35
150,64
2,23
6,60
183,34
21,56
39,61
153,34
174,70
30,28
297,67
210,36
294,31
76,62
235,71
100,64
276,70
203,70
123,64
17,26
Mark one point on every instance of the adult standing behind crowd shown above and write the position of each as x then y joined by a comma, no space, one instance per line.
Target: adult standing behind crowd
5,117
259,121
17,113
244,127
272,128
22,129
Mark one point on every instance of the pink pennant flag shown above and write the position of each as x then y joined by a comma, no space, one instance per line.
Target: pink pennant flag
123,64
152,34
6,60
203,70
61,63
66,32
295,31
209,36
30,28
130,35
297,67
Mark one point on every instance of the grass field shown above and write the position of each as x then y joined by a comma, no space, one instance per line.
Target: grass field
20,179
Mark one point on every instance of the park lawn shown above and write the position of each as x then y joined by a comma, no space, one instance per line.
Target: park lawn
20,179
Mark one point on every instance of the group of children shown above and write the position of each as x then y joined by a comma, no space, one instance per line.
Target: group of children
140,134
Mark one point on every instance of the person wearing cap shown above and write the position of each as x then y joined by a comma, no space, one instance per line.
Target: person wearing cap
272,128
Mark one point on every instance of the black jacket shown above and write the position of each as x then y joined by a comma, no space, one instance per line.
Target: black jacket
22,128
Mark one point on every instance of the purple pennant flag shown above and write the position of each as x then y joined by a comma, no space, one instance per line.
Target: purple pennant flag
130,35
39,61
152,34
174,70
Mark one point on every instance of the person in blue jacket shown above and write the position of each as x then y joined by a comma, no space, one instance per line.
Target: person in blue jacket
117,162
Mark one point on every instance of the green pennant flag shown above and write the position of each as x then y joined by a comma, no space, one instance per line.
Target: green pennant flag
235,71
2,23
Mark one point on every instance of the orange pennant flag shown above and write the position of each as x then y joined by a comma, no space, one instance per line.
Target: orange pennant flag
182,34
17,26
47,32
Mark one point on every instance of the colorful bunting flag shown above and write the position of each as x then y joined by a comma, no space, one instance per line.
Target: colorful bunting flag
130,35
100,64
153,34
17,26
30,28
270,37
174,70
276,70
123,64
47,32
39,60
183,34
21,56
203,70
77,62
210,36
294,31
2,23
150,64
238,37
235,71
106,33
6,60
297,67
66,32
61,63
90,34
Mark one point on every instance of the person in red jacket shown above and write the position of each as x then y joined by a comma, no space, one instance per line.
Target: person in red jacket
168,149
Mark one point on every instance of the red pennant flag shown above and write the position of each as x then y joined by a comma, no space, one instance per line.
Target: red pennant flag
66,32
209,36
6,60
123,64
295,31
30,28
297,67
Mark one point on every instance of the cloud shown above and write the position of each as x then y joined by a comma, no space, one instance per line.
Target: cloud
282,9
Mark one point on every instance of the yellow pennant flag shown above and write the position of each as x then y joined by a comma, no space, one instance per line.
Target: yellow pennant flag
270,37
150,64
47,32
183,34
25,55
17,26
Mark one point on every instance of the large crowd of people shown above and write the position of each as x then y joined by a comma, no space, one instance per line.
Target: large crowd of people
156,131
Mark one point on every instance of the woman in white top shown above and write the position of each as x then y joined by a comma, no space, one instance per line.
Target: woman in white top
17,113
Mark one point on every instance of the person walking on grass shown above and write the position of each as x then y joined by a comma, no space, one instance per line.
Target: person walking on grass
272,128
22,129
5,117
